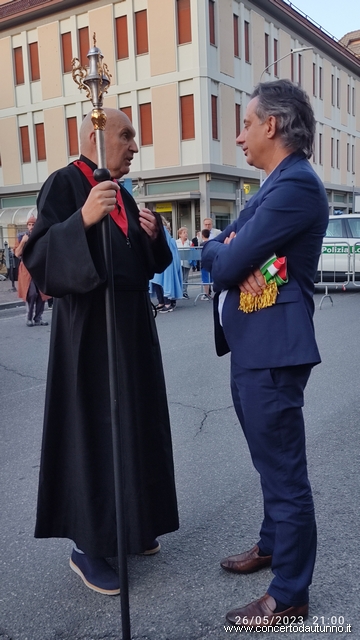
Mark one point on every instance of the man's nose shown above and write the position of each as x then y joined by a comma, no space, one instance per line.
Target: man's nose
134,148
240,139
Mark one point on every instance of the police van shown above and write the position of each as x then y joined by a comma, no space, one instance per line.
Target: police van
340,258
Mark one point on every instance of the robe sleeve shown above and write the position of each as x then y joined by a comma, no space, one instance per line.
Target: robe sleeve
58,254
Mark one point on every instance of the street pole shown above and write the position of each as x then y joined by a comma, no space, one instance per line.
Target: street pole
289,53
96,81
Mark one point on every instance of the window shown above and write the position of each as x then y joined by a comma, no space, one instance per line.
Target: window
292,73
73,144
214,117
353,158
66,51
236,36
338,154
276,55
332,89
183,21
247,41
146,136
237,119
34,61
122,44
142,45
212,21
25,144
127,111
320,83
338,92
348,98
299,70
320,149
40,141
84,46
187,117
353,101
266,50
332,154
314,79
348,157
19,66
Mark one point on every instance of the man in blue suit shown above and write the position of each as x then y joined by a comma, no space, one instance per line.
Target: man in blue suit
273,349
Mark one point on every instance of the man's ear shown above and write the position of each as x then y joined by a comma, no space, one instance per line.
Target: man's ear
271,127
93,138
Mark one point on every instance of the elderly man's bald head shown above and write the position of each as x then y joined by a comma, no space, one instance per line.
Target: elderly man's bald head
119,137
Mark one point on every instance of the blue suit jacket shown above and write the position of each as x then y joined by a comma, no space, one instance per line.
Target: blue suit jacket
288,216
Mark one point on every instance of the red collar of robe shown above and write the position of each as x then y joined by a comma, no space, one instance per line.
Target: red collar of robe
118,214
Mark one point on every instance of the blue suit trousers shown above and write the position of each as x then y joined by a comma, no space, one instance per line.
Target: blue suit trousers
268,403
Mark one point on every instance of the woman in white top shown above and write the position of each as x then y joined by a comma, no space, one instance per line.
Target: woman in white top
184,243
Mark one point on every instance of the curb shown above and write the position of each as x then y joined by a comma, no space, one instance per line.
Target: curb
11,305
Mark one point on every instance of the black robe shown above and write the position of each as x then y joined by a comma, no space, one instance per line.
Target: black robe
76,496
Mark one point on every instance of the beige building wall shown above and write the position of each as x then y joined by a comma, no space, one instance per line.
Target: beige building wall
226,40
50,60
10,152
7,94
357,104
165,117
344,79
284,48
327,153
227,125
258,51
162,36
327,88
307,81
343,157
357,161
55,138
101,22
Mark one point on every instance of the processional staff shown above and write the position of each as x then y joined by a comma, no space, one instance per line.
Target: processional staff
95,81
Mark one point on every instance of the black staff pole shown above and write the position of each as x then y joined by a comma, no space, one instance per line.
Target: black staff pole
96,81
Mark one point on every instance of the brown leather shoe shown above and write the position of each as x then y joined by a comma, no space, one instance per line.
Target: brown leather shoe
261,613
246,562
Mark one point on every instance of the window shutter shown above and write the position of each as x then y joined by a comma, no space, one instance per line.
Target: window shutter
66,51
247,41
187,117
236,36
84,46
19,66
237,119
72,137
40,141
275,58
212,21
127,111
122,45
214,117
25,144
142,45
183,21
146,136
34,61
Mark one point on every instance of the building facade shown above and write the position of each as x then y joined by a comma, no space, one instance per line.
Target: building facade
183,70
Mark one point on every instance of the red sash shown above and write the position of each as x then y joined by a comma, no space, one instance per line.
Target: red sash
118,214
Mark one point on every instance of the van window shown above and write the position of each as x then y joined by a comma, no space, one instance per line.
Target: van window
334,229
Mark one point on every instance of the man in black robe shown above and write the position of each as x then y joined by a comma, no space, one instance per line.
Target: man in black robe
64,255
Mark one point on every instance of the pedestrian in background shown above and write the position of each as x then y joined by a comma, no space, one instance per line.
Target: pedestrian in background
183,242
168,285
27,289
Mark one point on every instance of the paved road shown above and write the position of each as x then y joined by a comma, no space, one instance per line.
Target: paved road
182,594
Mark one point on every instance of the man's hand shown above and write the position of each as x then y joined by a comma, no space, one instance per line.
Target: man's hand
254,283
100,202
149,223
230,237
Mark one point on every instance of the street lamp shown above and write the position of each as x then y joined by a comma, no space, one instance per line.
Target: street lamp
298,50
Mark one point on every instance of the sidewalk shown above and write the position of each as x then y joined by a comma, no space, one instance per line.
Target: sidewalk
8,297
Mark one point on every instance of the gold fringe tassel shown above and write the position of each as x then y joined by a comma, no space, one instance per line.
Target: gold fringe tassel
250,303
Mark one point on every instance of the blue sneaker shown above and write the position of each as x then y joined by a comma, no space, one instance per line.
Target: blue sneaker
96,573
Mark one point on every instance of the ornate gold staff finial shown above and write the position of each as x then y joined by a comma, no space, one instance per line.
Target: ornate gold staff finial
95,80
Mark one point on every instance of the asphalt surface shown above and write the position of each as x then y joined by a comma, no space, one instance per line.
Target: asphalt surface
182,593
